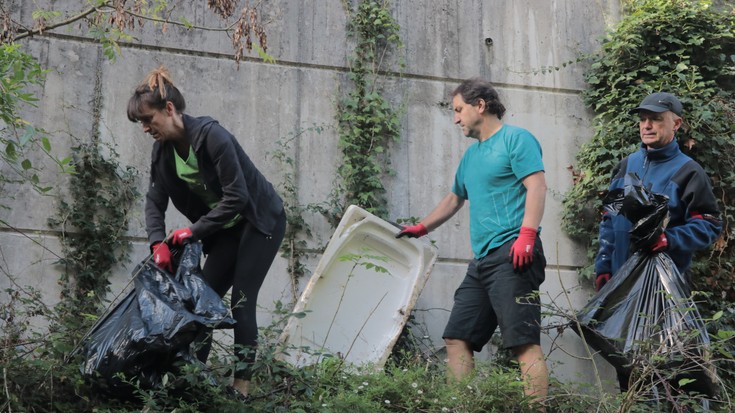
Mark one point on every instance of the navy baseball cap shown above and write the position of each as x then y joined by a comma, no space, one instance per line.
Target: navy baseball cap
660,102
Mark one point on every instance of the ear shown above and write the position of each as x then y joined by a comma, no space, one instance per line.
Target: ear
170,108
678,122
481,105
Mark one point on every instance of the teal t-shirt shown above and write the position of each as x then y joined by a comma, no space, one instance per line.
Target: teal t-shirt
188,170
489,177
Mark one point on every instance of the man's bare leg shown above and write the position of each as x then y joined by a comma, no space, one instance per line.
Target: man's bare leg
460,359
533,370
243,386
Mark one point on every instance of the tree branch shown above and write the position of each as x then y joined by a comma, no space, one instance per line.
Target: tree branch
98,9
68,21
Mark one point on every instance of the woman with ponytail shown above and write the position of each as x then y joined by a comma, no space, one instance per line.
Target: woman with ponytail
233,209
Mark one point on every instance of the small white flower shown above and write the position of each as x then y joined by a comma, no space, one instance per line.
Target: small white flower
387,402
360,387
364,383
420,391
414,385
445,409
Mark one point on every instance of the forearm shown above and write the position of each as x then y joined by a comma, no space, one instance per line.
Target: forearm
535,200
606,246
155,209
446,208
695,235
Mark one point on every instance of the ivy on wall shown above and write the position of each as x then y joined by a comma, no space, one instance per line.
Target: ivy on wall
93,223
367,122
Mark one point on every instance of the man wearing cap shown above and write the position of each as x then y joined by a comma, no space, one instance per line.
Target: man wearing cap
694,215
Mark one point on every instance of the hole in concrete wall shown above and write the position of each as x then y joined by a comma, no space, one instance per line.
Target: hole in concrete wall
488,41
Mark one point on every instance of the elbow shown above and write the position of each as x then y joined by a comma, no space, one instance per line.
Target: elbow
543,188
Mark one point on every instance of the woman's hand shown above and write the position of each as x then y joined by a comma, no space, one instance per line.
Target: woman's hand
162,256
177,237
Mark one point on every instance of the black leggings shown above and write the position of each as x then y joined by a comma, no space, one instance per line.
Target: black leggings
240,258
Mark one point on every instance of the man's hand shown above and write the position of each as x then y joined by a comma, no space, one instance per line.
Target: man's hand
660,244
162,256
178,236
521,252
601,280
413,231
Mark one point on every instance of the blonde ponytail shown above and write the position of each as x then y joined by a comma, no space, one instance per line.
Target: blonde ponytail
158,78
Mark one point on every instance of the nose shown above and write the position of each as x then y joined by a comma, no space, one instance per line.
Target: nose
456,118
146,127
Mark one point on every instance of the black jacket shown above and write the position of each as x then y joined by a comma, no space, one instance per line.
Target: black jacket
225,169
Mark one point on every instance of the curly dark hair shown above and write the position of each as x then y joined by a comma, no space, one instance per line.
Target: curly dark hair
472,90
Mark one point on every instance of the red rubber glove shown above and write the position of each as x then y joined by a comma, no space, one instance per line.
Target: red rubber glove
521,252
601,280
162,256
178,236
660,244
413,231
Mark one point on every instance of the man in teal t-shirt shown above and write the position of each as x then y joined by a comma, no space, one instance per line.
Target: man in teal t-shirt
502,176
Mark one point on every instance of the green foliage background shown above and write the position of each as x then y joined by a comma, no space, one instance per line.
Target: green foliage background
19,73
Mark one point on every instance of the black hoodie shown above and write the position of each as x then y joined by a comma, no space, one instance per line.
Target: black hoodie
225,169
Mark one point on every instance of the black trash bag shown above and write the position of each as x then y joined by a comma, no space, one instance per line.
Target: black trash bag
648,212
646,307
151,329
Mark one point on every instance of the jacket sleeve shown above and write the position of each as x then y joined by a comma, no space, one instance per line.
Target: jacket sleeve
603,261
156,202
702,223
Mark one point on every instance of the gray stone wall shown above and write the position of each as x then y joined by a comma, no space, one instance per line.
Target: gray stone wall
446,41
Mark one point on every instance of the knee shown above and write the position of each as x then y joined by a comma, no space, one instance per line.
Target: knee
528,352
455,343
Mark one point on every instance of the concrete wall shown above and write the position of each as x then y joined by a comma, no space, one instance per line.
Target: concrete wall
445,41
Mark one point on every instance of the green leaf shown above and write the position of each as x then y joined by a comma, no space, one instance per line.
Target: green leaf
46,144
684,382
717,315
10,151
189,25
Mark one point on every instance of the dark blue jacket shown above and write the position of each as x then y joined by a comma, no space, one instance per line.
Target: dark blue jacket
694,216
225,169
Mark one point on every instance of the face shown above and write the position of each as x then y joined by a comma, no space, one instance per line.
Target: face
658,129
467,116
157,122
